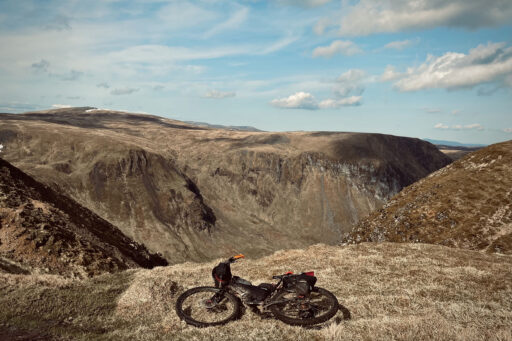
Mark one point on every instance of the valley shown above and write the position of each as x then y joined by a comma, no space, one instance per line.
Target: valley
196,193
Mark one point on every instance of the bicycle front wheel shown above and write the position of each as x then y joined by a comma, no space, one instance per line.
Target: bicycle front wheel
207,306
319,306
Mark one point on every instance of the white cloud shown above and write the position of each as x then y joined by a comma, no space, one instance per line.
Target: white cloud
352,75
219,94
234,21
344,47
476,126
299,100
508,130
350,83
123,91
180,15
304,3
390,74
304,100
322,25
473,126
398,45
485,63
276,46
370,16
337,103
61,106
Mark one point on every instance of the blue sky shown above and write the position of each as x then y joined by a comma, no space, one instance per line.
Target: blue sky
426,68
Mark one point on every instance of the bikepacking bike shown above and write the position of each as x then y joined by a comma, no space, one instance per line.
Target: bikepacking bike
294,299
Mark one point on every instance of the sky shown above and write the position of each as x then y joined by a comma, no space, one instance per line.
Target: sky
425,68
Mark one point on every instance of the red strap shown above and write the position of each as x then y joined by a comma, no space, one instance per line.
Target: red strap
218,279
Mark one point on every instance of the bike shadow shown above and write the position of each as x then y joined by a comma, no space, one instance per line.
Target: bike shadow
345,315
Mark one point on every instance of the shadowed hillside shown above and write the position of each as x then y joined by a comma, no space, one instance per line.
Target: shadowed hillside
194,193
467,204
388,291
48,232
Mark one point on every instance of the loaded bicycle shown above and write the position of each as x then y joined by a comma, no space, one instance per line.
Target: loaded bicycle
294,299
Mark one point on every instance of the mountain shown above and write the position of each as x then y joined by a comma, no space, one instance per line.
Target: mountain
467,204
43,231
197,193
219,126
454,143
387,291
455,150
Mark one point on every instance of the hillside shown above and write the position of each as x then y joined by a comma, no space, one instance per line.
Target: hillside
467,204
45,232
388,291
196,193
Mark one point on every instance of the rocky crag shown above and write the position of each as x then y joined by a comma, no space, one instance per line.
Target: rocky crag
46,232
196,193
467,204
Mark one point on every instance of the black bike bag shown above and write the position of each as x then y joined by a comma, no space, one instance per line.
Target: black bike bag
302,284
222,274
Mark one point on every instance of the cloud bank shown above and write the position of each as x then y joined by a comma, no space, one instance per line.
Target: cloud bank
371,16
483,64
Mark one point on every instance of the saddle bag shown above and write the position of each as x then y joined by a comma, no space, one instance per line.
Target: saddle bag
302,284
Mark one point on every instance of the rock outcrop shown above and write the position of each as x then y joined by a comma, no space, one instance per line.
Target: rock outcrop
50,233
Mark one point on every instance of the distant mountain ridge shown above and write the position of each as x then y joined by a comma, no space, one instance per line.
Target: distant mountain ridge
220,126
454,143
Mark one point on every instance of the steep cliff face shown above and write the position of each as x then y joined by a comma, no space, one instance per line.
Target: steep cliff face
47,231
467,204
194,193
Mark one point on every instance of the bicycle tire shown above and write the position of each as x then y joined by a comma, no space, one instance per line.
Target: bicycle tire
279,309
184,311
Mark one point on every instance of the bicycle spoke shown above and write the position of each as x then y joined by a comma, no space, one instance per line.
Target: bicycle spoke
202,307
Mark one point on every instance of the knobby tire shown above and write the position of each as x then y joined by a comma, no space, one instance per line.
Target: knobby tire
184,311
278,310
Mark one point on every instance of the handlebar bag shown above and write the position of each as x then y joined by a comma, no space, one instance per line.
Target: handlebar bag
222,274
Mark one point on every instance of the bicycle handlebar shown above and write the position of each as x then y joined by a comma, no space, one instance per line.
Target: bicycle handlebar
235,258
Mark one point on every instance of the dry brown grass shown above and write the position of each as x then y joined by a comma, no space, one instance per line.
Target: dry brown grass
466,204
391,291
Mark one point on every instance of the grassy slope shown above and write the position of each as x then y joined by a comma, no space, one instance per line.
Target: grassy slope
391,291
467,204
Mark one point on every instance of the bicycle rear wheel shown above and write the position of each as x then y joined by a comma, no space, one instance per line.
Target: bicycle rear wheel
320,306
207,306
